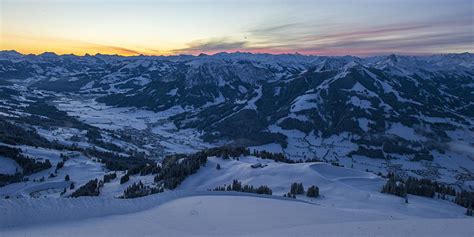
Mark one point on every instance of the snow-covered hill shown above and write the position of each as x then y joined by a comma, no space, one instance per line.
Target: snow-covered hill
350,200
247,216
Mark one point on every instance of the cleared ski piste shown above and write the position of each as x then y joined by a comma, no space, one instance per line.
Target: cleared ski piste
350,205
214,214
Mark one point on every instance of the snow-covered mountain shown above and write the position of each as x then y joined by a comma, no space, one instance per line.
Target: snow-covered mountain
386,107
124,120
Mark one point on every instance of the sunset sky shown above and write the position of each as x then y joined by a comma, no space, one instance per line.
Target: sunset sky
326,27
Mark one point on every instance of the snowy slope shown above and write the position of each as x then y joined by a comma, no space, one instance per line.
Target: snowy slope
8,166
340,188
246,216
350,205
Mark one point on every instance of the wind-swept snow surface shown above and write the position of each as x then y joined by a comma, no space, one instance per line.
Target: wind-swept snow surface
247,216
350,205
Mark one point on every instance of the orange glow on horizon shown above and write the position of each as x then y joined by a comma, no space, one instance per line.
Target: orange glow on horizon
38,45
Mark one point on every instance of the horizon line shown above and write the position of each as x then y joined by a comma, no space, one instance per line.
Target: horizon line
228,52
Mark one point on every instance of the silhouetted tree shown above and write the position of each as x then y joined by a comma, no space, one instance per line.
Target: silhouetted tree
91,188
313,191
124,179
297,188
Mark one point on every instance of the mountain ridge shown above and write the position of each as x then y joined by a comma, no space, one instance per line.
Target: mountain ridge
390,108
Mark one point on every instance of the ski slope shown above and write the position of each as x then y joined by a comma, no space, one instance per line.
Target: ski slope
350,205
340,188
236,215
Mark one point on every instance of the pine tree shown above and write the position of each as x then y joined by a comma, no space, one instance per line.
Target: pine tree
468,212
297,188
124,179
394,187
108,177
91,188
236,185
66,178
313,191
59,165
300,188
218,166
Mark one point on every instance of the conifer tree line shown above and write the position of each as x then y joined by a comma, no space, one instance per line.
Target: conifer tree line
91,188
227,152
392,186
427,188
28,165
295,188
465,199
237,187
114,161
142,170
124,179
176,168
469,212
140,190
15,135
298,188
419,187
109,177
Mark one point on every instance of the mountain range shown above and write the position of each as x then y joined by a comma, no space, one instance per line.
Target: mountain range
385,108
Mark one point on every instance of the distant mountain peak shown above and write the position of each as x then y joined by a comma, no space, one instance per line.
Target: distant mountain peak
48,54
393,58
10,53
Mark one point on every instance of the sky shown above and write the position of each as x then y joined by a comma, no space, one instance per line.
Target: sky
166,27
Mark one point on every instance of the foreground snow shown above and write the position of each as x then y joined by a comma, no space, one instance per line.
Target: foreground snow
236,215
350,205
